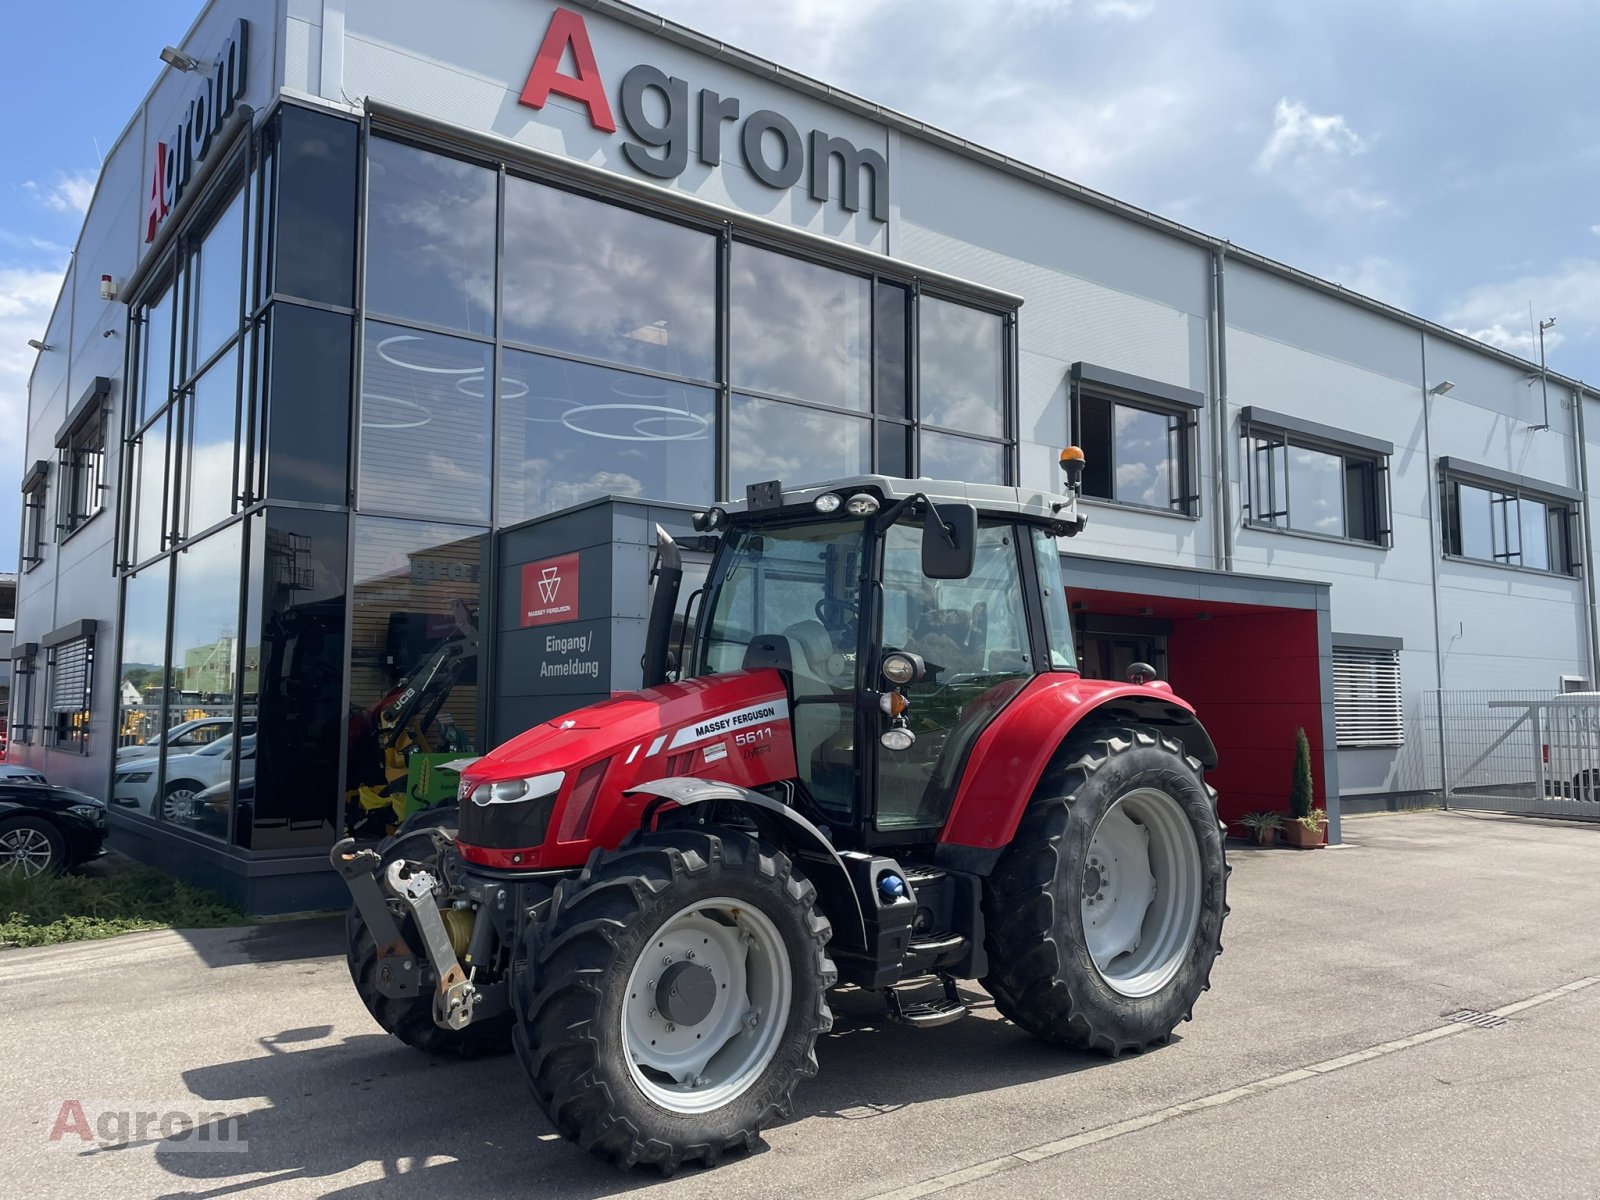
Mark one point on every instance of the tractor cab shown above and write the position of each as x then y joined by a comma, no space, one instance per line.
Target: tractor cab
903,617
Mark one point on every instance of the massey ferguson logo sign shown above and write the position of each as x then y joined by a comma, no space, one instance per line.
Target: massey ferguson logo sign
769,144
550,591
207,111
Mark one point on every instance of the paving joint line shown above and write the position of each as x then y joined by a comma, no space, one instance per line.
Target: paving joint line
1090,1137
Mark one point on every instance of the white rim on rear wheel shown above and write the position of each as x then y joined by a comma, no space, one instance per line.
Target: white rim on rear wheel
24,852
1141,892
706,1005
178,804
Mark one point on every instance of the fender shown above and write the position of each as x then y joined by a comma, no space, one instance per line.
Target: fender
782,826
1011,755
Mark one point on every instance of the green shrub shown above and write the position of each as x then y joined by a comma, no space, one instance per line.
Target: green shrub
107,899
1300,788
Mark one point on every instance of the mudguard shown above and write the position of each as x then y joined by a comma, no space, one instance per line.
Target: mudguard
781,826
1011,755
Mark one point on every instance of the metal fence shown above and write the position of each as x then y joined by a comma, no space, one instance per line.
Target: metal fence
1535,752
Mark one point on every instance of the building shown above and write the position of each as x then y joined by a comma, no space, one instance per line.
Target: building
378,317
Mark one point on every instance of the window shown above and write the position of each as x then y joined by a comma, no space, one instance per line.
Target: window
81,443
1313,479
962,382
1368,709
33,498
1137,437
1495,517
24,674
71,665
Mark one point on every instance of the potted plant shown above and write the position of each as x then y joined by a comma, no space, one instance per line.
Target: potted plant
1306,822
1264,825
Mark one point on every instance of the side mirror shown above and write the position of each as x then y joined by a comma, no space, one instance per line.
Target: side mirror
949,540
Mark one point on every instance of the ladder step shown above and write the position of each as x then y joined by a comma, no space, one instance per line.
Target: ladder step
937,943
926,1013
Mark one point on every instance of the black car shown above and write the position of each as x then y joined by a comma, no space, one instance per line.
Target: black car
45,829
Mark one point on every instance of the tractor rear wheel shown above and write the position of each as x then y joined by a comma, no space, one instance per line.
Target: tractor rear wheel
410,1018
1105,914
672,997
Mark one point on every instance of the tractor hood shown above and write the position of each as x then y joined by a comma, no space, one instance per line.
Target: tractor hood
549,796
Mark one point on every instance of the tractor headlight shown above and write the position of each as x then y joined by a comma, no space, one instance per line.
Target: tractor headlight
826,503
514,791
900,668
862,504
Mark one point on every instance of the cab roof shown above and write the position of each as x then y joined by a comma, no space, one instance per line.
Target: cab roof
990,499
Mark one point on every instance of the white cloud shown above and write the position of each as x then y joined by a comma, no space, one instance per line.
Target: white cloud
69,194
1126,10
1298,134
1498,313
1310,155
26,299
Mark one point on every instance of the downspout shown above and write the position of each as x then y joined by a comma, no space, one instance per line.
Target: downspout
1222,508
1580,452
1435,550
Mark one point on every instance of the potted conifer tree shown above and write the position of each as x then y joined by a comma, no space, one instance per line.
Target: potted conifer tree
1304,828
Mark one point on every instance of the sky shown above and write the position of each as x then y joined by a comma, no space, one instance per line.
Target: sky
1440,155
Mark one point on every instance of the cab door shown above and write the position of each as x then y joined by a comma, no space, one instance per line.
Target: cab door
973,635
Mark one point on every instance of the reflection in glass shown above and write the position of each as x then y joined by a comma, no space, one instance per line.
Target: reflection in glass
1535,531
589,278
155,367
1143,457
295,794
418,592
425,420
962,371
204,669
141,676
149,510
891,350
945,456
430,238
1479,522
1057,618
570,432
308,413
317,167
214,283
799,329
210,461
1316,491
772,440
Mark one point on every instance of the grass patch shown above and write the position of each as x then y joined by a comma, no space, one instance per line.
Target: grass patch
107,899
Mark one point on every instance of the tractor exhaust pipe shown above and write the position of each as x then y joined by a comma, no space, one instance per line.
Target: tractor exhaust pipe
668,576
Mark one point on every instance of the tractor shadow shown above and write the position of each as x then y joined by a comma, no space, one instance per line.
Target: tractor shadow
316,1108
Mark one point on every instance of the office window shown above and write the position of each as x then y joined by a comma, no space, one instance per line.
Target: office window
1315,485
83,468
1135,453
71,665
1504,524
34,486
961,364
24,674
1368,708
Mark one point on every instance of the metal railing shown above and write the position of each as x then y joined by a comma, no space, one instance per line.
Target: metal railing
1534,752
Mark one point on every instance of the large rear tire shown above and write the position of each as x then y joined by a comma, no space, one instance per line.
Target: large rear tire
1105,914
411,1018
671,999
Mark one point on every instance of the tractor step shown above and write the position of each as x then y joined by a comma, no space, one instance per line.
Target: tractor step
925,1014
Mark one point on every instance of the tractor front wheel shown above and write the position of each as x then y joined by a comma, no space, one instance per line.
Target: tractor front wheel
1105,915
672,997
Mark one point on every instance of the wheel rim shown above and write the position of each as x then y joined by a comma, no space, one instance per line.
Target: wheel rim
1141,892
24,852
177,804
691,1047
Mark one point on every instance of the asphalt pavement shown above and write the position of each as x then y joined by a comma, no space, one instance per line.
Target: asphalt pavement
1326,1061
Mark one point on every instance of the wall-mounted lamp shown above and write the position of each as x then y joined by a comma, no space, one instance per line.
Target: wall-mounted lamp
108,288
178,60
38,345
1442,387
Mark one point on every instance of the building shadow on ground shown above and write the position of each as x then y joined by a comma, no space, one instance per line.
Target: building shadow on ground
434,1127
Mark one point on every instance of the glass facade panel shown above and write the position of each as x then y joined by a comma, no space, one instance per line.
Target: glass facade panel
315,166
149,514
962,367
295,795
308,413
209,466
425,424
155,368
414,660
801,330
215,270
945,456
588,278
430,238
142,675
1316,490
570,432
769,439
891,351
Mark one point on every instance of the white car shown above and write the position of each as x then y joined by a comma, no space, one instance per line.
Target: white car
186,738
187,775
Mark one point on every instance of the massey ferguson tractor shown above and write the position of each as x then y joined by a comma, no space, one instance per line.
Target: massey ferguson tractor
874,766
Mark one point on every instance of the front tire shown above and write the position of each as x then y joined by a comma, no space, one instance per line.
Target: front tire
672,997
31,847
1105,914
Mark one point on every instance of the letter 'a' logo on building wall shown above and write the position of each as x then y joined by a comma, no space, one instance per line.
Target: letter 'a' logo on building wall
208,110
550,591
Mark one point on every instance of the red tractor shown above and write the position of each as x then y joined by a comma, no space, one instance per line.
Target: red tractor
877,766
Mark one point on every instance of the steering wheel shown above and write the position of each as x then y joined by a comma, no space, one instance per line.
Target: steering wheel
837,614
